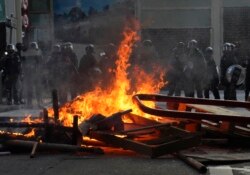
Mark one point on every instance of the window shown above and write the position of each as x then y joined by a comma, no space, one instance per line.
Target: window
39,6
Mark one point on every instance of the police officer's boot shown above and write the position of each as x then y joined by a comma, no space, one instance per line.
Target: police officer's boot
9,97
15,96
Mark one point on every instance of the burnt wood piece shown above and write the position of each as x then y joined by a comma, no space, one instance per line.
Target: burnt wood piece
115,120
190,115
145,128
170,146
47,131
193,163
101,122
34,148
55,105
34,125
16,144
76,134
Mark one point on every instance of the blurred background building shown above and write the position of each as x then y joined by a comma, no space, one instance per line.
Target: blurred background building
165,22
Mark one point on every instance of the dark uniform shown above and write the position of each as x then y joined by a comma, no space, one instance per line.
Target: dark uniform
148,56
20,48
228,59
247,81
107,65
212,76
175,67
86,69
33,74
194,71
54,68
12,69
68,73
72,64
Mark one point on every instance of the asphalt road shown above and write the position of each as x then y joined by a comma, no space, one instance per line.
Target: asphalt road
96,165
111,163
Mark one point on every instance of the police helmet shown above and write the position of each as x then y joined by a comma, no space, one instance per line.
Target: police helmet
180,45
34,45
90,48
56,48
192,44
227,47
19,46
209,50
69,46
147,43
10,48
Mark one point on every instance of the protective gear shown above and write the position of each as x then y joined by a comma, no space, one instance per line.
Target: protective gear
34,45
227,47
236,70
10,48
12,70
87,64
175,70
209,50
180,45
233,46
33,72
19,46
192,44
212,75
90,49
69,46
147,43
56,48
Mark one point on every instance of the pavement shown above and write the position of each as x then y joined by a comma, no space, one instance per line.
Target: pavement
113,162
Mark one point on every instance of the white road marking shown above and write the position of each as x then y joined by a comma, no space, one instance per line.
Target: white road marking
227,170
220,170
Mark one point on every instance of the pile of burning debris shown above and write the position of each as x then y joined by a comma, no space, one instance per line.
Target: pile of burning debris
182,124
152,125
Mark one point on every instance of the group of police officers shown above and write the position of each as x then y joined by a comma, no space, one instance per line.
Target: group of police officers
193,71
26,73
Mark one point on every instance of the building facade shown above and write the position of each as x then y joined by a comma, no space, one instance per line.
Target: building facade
210,22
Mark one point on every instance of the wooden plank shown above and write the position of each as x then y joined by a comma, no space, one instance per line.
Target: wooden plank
183,141
214,109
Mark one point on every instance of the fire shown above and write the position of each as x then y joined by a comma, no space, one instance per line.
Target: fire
28,119
28,135
119,95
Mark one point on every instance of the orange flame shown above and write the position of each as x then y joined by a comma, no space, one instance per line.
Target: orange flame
116,98
30,134
29,120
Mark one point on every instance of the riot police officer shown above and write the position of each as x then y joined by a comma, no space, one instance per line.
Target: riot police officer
148,56
228,59
12,70
88,65
33,74
71,62
20,48
107,65
194,70
212,75
54,67
175,67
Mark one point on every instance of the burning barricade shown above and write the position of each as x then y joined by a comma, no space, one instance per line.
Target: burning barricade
125,117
